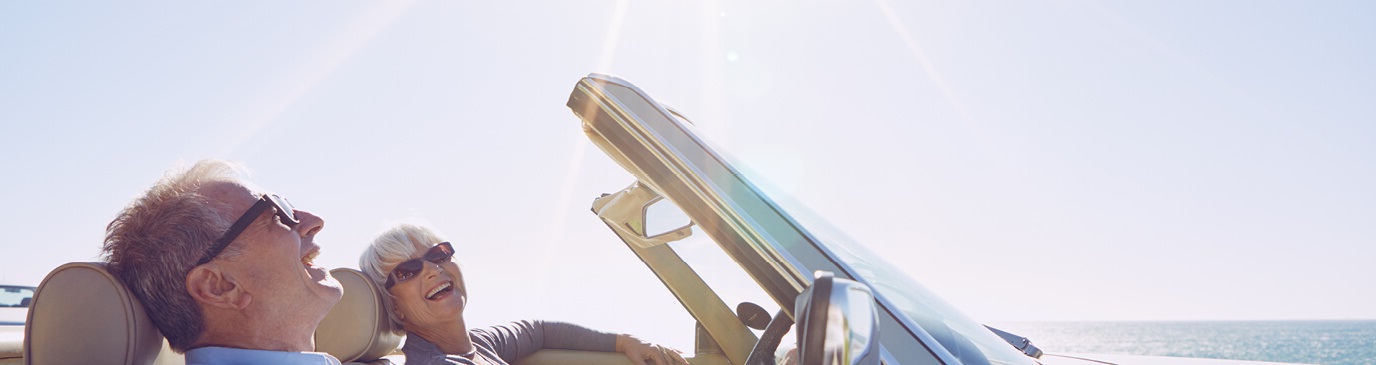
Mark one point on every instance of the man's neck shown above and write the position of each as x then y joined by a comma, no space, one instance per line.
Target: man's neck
256,342
245,333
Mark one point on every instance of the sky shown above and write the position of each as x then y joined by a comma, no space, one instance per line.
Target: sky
1027,161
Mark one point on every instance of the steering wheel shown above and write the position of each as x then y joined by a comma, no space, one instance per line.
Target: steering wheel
763,353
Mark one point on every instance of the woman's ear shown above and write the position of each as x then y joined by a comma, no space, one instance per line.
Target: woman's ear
215,288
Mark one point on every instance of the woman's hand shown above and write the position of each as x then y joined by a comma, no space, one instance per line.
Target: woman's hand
789,358
640,351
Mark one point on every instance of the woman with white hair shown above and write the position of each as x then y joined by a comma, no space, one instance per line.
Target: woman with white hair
426,297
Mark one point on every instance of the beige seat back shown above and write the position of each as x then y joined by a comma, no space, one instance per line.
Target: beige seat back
357,328
81,314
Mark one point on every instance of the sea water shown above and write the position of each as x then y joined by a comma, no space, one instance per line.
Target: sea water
1311,342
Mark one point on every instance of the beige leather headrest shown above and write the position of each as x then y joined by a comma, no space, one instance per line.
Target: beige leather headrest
356,329
81,314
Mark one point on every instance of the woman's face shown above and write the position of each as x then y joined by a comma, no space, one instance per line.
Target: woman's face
432,297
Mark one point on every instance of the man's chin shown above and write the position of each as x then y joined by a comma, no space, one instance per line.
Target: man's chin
326,282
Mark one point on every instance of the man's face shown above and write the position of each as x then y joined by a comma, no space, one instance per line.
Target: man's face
274,261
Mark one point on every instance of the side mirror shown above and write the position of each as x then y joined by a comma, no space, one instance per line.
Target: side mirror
837,323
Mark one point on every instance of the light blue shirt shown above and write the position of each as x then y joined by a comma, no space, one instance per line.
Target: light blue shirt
230,356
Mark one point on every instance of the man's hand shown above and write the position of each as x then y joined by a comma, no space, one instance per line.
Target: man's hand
640,351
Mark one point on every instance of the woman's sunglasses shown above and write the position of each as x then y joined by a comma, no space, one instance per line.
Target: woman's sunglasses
438,254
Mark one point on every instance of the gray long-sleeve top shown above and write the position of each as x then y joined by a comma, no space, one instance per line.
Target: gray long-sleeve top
505,344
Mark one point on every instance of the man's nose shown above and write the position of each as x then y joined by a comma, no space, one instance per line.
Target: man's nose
310,223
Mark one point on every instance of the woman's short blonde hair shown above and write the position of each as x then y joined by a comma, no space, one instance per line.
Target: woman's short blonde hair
388,250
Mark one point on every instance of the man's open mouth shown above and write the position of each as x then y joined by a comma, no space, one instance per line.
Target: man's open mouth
309,259
316,273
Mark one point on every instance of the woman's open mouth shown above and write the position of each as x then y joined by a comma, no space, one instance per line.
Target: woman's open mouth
440,291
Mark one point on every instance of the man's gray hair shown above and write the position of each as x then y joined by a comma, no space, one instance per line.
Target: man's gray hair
156,240
386,252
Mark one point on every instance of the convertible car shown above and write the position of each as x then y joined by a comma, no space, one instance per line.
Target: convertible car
685,188
764,279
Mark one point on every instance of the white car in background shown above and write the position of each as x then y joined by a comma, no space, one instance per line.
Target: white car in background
14,305
14,311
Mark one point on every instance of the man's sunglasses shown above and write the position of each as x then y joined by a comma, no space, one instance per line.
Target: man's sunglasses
438,254
284,211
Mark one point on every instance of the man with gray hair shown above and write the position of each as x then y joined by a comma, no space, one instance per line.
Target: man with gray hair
223,268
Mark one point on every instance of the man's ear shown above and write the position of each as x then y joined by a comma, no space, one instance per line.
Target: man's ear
213,287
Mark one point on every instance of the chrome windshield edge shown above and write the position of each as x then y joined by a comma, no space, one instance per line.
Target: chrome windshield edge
724,207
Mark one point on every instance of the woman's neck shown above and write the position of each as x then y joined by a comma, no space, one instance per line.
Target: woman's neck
452,337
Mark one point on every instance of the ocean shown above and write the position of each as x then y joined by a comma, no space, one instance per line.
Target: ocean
1309,342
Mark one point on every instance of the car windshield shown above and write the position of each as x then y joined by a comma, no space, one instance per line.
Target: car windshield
963,337
922,315
966,339
15,296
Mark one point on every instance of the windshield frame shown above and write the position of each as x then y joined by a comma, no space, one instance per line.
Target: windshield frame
770,244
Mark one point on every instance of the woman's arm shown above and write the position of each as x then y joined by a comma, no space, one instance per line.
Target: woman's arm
520,339
645,353
515,340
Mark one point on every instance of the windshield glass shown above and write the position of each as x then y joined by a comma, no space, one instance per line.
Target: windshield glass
969,341
963,337
725,276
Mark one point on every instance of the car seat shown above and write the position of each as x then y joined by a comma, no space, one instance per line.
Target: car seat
82,314
357,328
